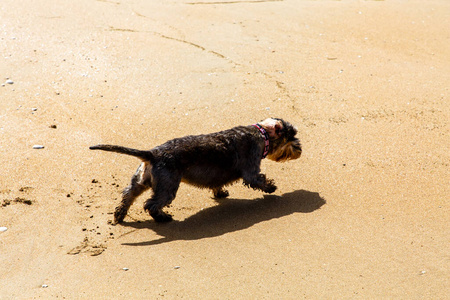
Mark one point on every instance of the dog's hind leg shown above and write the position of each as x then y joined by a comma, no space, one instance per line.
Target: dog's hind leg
165,188
140,182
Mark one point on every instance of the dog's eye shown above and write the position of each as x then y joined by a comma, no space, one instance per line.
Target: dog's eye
279,131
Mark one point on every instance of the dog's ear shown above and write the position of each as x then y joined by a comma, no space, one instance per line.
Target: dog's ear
274,127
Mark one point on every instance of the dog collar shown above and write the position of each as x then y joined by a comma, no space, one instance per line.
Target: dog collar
266,139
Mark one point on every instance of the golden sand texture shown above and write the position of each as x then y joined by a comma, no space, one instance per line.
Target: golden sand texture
363,214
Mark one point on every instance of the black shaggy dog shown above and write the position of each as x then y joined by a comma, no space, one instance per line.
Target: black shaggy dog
207,161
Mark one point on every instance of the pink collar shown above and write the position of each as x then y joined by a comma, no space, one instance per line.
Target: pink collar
266,139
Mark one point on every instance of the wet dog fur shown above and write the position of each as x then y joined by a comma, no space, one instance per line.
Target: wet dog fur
210,161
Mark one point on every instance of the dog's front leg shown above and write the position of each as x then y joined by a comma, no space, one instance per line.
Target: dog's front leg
220,192
260,182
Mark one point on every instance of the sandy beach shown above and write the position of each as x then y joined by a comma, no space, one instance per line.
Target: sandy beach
363,214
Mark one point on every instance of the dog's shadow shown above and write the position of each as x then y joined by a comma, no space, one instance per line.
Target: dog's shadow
229,216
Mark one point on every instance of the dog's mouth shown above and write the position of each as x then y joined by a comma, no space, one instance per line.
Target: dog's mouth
289,151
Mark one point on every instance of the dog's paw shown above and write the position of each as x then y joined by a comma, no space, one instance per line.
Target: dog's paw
270,190
270,186
119,215
161,217
218,194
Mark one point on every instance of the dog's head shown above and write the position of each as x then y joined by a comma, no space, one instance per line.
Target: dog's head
283,143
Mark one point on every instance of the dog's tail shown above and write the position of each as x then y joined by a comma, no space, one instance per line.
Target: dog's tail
144,155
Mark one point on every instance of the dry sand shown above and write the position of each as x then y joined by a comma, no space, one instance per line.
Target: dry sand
364,213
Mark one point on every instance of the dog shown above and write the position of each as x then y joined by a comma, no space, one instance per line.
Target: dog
210,161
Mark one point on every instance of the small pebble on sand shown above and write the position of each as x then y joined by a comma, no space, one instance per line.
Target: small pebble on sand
9,81
38,147
3,229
